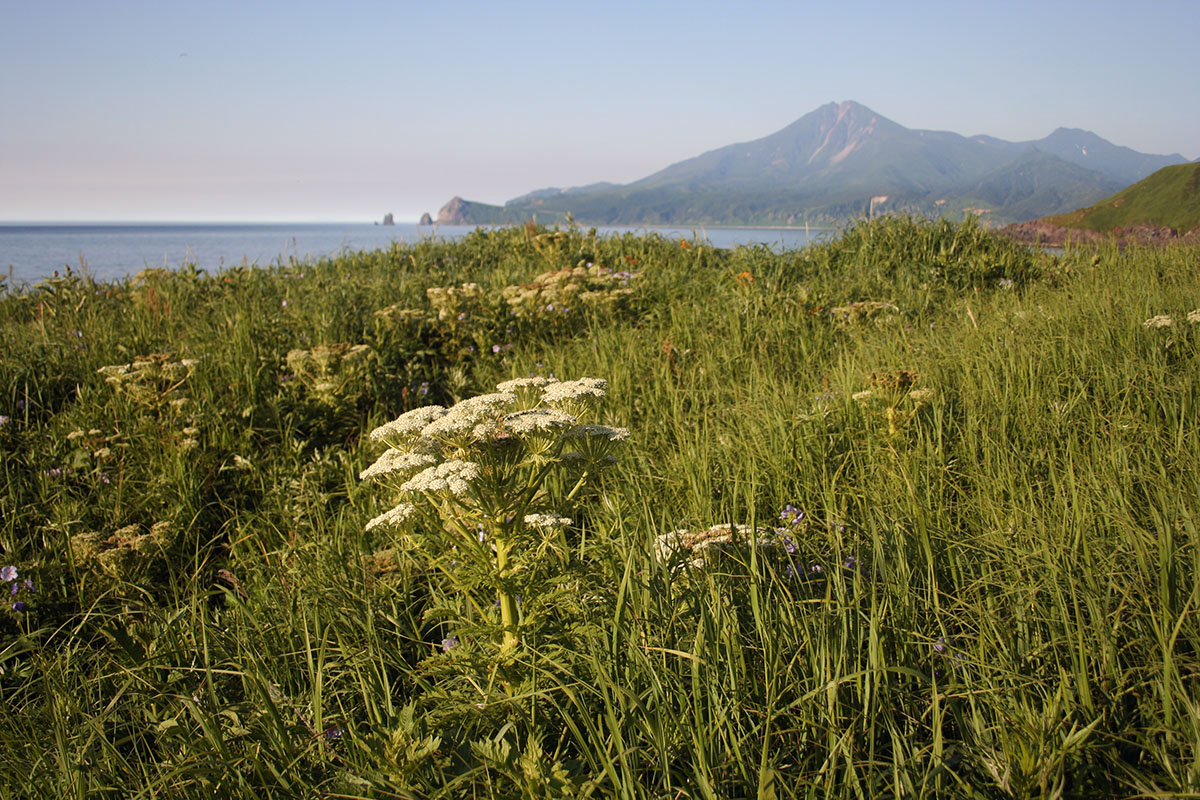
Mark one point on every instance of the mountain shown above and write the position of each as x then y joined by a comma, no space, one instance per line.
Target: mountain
1090,151
838,162
1037,183
538,195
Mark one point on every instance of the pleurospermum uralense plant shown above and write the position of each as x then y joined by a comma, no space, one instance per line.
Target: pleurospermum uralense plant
484,488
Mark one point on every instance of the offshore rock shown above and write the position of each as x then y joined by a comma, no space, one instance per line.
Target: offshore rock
387,220
426,219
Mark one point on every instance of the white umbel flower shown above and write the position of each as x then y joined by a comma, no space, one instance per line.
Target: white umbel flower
1159,321
538,420
451,476
546,521
603,432
472,419
394,517
408,424
573,390
516,384
396,462
1194,317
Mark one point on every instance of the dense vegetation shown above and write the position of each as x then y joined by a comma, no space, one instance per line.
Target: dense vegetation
1168,198
968,476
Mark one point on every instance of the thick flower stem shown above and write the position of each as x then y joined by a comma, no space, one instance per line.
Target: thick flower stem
508,603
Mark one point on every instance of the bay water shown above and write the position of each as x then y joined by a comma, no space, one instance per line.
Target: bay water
30,253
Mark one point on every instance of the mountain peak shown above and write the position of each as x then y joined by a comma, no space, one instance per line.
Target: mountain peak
832,161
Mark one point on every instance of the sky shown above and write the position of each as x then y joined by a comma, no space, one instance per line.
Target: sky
315,111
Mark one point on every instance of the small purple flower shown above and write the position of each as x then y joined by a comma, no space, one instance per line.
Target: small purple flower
29,585
462,316
334,734
816,569
940,644
789,545
104,478
495,348
851,563
8,573
18,606
284,304
16,587
449,643
471,348
20,405
55,472
791,515
423,389
76,334
3,419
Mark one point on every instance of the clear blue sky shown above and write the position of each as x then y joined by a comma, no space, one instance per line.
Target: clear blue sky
320,111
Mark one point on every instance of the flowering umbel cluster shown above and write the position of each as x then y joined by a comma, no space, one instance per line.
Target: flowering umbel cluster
329,372
484,489
151,379
894,396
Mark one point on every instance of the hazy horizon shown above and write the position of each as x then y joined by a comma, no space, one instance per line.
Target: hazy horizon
296,113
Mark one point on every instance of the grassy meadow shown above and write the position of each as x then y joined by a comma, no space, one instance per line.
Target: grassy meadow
912,513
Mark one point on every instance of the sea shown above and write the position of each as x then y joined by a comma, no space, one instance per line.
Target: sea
30,253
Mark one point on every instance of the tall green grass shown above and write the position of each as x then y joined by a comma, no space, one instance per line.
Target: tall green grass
998,598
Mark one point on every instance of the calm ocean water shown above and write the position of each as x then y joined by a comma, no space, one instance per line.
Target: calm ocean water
109,252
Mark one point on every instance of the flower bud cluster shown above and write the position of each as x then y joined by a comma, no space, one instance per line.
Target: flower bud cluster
125,553
693,547
557,292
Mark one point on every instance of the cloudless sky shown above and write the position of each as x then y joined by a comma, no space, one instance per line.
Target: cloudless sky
314,111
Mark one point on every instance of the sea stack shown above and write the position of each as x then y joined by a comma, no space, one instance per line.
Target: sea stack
426,219
387,220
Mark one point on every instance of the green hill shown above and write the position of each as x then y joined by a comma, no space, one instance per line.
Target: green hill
1169,198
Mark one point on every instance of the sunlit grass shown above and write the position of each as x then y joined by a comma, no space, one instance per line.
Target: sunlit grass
992,591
